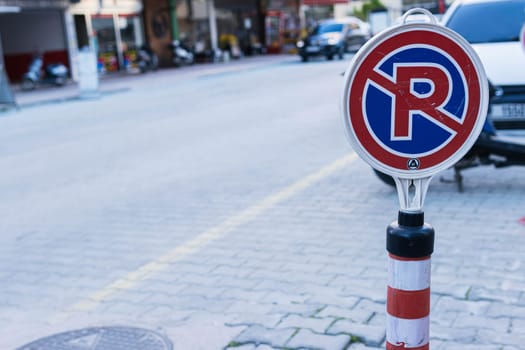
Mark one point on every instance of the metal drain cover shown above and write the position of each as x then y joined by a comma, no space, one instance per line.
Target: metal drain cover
103,338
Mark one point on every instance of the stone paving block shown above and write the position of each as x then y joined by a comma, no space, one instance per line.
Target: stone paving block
455,290
463,335
446,303
460,346
166,313
232,271
209,292
334,299
266,347
278,297
282,286
203,335
500,324
506,310
315,324
378,319
235,282
241,307
444,318
360,315
242,347
243,294
436,344
341,269
518,324
306,310
193,278
369,305
521,302
377,294
189,302
482,293
260,335
305,338
300,266
165,286
368,334
248,319
133,296
487,336
360,346
262,263
252,347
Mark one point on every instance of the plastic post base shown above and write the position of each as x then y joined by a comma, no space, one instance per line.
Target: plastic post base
410,236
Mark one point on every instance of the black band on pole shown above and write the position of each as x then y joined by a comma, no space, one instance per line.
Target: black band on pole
410,237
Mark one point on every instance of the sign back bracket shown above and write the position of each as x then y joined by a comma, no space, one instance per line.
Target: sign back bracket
412,193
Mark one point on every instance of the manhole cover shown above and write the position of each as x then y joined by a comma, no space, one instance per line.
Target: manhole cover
103,338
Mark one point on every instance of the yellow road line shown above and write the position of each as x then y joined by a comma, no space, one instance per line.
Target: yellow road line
180,252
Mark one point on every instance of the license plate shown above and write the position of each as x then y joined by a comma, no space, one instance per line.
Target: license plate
312,49
508,111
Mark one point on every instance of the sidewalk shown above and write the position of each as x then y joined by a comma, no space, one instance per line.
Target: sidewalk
120,82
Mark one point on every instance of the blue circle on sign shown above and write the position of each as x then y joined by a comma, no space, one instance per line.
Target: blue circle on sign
426,134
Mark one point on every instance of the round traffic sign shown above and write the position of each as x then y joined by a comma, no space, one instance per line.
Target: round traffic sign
414,100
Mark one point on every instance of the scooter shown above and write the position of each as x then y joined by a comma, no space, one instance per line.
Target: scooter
182,55
53,73
490,148
147,60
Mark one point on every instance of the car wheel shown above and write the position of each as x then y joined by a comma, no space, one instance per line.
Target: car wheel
304,58
387,179
329,57
341,53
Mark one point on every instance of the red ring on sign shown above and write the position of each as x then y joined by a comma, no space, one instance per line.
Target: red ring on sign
361,77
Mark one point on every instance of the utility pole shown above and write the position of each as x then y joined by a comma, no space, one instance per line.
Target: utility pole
210,5
173,17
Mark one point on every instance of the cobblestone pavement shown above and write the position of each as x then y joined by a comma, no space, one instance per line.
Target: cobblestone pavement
299,267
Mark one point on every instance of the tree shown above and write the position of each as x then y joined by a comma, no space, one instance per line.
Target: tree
367,7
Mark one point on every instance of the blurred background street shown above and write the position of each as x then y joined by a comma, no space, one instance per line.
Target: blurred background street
221,206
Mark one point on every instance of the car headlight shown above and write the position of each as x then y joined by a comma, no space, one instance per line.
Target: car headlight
300,43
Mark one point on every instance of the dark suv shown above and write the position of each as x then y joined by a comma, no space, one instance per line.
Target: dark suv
333,38
493,29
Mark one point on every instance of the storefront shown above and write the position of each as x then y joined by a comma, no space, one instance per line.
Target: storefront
282,26
113,29
28,29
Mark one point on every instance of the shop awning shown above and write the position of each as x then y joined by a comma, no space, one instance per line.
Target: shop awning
324,2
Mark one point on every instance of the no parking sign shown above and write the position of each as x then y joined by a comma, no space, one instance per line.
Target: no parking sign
414,100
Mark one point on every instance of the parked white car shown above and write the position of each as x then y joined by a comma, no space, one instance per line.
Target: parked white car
493,28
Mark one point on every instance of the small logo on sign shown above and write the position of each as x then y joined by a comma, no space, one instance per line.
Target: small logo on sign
413,164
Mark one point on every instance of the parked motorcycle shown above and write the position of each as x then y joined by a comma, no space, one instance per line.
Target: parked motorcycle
182,55
147,60
489,149
53,73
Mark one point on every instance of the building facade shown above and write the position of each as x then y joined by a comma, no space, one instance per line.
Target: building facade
31,27
114,29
